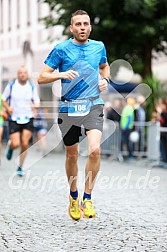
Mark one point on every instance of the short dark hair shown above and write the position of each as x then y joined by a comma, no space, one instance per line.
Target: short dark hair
78,12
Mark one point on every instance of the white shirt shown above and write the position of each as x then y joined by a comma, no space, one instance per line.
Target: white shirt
22,96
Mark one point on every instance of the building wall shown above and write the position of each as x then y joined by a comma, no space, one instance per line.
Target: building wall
24,40
21,22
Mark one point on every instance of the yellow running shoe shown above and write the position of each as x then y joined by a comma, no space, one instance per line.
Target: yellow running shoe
74,208
87,208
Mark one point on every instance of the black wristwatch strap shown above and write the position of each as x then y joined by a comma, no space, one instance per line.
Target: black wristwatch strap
107,79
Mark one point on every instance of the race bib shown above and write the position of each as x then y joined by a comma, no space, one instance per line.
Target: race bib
79,107
22,120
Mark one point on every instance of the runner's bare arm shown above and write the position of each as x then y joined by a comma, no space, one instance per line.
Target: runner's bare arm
7,107
104,70
105,74
48,75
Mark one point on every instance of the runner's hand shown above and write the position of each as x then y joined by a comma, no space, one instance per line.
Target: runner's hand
10,110
103,85
69,75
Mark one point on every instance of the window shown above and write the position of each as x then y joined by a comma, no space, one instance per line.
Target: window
9,15
28,13
39,12
18,13
1,16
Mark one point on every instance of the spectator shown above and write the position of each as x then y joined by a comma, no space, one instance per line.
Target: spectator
114,113
127,126
140,118
163,134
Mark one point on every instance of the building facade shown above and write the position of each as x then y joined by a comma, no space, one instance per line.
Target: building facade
24,40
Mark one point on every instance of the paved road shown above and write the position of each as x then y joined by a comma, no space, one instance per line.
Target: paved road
130,200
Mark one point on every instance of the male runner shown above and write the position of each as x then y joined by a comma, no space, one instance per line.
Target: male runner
80,62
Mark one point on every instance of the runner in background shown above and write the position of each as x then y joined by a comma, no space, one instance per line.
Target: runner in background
40,129
19,98
2,115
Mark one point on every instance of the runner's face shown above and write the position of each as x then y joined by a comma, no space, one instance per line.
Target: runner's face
22,75
80,28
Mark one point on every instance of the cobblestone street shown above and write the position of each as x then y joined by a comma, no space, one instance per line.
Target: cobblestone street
130,201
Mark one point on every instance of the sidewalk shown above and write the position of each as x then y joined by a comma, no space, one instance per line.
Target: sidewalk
130,200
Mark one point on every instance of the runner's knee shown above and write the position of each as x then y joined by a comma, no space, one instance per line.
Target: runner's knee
25,144
94,152
15,144
72,156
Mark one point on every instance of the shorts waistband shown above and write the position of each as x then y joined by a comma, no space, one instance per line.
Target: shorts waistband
91,98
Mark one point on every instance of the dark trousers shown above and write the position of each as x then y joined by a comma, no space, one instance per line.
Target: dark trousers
163,146
125,141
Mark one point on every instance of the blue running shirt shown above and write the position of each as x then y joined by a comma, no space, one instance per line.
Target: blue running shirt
83,58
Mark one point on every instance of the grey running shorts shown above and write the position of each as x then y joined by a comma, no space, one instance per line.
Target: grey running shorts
70,126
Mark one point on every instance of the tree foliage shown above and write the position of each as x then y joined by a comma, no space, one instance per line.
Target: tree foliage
130,29
156,94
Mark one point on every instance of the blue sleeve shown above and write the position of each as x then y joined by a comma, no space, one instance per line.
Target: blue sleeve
103,56
129,120
54,59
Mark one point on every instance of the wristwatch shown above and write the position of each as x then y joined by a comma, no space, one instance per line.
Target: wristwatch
107,79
